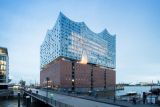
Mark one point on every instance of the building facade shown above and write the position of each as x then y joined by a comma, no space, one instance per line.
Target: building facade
89,57
4,68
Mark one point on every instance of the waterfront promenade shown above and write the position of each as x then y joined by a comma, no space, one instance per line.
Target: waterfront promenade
73,100
85,100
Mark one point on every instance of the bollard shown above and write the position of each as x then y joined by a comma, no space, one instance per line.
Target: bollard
18,99
144,97
27,101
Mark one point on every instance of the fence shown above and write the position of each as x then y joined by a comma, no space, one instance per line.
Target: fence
47,100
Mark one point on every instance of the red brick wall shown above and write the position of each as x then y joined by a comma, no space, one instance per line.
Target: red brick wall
110,77
82,75
98,77
66,74
61,74
53,71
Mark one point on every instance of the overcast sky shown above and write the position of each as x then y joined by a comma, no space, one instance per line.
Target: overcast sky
136,23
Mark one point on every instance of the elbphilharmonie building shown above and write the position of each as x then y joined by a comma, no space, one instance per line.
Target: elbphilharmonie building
76,58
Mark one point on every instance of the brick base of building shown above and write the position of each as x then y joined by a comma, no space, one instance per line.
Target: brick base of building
80,77
98,88
110,88
64,89
84,89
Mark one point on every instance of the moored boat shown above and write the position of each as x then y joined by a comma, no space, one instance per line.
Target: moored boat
129,96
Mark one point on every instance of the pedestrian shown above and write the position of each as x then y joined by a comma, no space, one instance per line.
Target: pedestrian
133,100
77,93
95,94
51,95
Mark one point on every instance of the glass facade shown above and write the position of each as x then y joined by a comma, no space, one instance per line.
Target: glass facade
69,40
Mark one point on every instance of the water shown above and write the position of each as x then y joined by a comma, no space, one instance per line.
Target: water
14,103
138,89
111,94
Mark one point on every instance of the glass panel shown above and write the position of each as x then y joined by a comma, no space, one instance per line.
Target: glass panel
2,72
3,51
2,81
1,62
4,67
1,67
4,62
2,77
4,58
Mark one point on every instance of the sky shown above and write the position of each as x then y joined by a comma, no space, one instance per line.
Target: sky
136,23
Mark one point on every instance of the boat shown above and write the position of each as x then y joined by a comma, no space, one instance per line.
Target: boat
155,91
129,96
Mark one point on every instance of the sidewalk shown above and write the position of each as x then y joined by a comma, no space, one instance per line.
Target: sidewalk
102,100
73,101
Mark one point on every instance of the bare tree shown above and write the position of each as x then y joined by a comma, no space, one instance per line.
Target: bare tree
22,83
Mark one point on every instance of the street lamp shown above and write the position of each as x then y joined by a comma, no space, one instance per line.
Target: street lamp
47,78
151,91
30,83
114,93
53,85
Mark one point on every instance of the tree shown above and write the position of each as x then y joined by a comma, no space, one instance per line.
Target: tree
9,80
12,83
22,83
32,85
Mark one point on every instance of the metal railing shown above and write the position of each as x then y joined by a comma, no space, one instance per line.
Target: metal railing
49,101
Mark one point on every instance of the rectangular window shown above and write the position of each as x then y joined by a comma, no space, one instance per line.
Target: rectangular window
1,62
2,81
4,58
2,72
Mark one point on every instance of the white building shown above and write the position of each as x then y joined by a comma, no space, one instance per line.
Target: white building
4,68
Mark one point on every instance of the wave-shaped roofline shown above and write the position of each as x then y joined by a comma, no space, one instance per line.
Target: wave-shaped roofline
104,31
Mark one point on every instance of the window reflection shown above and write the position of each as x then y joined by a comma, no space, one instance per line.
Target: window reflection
2,67
2,62
2,72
